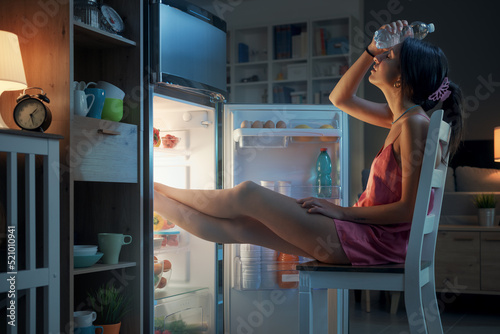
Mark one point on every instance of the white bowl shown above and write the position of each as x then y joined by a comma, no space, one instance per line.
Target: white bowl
84,250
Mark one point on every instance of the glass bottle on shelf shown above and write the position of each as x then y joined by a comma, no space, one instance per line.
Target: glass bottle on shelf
88,12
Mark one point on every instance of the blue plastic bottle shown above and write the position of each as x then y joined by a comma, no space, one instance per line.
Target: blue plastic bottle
324,174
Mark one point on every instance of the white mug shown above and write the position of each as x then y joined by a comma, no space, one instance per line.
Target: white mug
81,106
84,318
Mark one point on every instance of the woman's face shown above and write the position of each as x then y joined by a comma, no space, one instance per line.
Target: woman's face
387,69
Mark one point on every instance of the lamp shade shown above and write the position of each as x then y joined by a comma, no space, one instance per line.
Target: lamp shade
497,143
12,75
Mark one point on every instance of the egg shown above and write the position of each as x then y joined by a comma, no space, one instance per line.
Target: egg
167,265
257,124
269,124
281,125
246,124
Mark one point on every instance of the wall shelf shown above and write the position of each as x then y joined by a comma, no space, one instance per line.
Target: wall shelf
313,52
103,267
92,37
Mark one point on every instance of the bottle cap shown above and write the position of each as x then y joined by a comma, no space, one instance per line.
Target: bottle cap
431,27
324,149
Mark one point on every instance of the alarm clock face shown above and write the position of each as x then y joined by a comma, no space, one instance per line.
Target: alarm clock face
30,114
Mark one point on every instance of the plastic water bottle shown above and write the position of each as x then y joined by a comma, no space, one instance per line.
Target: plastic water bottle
323,174
385,39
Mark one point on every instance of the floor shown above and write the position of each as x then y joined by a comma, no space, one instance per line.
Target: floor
462,314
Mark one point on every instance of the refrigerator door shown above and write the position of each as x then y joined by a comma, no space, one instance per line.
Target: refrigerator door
276,146
186,157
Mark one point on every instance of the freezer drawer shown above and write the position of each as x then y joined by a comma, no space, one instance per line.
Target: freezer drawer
103,151
185,312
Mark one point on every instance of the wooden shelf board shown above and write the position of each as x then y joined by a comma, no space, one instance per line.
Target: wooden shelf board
103,267
88,36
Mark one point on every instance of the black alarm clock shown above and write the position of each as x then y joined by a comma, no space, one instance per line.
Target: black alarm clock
31,112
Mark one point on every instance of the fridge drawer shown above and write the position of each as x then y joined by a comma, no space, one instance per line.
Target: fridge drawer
184,312
103,151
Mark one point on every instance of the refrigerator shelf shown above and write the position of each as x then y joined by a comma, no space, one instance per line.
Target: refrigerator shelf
174,292
171,152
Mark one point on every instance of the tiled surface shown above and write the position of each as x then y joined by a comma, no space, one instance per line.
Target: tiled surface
466,314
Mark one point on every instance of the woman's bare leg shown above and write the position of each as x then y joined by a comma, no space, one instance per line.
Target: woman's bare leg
314,234
222,230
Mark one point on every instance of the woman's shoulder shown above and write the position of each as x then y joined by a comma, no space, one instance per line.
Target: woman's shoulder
415,126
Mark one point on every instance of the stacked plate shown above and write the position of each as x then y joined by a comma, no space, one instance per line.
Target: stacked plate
250,256
85,255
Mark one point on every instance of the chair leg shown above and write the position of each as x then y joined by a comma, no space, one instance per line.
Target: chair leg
395,295
304,304
313,311
415,310
367,300
431,309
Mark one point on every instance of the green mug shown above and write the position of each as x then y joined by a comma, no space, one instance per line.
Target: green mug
112,109
110,244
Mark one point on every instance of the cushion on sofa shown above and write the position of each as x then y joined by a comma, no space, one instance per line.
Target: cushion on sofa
449,184
477,179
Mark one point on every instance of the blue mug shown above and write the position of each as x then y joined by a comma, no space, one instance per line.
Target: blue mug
99,98
88,330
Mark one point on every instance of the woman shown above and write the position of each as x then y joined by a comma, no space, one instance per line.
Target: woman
413,78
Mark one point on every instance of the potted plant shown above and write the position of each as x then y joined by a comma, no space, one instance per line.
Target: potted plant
110,305
486,204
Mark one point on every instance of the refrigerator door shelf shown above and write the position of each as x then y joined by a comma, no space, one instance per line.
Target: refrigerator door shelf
265,275
280,137
332,193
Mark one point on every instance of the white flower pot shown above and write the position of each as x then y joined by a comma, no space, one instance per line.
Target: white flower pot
486,216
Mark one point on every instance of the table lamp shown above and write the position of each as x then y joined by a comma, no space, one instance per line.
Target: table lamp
12,75
496,142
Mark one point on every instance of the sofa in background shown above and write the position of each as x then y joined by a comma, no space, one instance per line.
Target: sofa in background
462,184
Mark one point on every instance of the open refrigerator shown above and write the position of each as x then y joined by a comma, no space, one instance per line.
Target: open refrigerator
204,146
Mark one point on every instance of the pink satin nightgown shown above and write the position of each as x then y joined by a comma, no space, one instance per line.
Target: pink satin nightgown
370,244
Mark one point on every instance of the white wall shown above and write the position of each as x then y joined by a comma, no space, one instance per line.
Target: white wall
241,13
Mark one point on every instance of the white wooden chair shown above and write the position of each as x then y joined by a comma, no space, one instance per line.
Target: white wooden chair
415,278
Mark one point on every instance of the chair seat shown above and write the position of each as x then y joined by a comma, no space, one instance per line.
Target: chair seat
398,268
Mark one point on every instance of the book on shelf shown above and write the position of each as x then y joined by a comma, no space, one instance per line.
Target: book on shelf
243,53
320,42
286,37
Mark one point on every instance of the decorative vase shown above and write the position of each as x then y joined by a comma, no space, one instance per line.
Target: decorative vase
486,216
109,329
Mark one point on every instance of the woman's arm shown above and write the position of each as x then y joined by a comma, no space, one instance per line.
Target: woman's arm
344,96
411,148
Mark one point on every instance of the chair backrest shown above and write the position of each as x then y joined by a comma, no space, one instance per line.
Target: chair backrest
423,235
